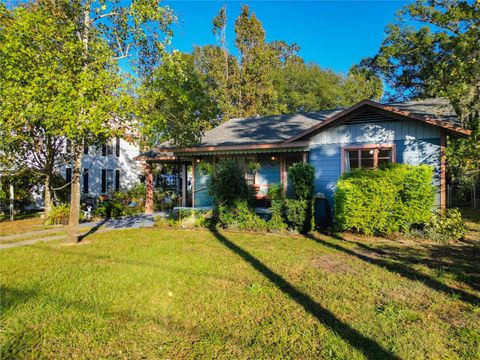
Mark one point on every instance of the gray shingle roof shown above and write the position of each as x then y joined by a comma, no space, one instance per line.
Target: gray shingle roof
262,129
278,128
436,108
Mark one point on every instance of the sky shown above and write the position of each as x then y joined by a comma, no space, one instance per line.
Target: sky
334,34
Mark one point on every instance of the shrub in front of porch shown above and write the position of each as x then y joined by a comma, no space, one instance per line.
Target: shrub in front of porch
299,211
384,201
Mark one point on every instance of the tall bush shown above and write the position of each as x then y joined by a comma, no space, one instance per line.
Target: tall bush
300,209
384,201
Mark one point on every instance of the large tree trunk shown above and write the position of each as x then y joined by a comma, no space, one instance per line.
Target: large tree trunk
74,217
47,197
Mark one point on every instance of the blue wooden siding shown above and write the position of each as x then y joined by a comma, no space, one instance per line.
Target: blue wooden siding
269,172
415,143
201,197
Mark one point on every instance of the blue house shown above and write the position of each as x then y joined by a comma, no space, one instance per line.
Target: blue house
365,135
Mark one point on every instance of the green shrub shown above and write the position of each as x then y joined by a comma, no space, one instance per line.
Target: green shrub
58,215
303,177
277,222
240,216
227,184
445,225
384,201
300,214
111,209
300,211
275,192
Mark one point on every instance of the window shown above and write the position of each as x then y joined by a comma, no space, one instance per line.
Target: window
107,180
85,181
368,157
117,180
117,146
107,149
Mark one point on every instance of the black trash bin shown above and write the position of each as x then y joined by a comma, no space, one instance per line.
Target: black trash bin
322,211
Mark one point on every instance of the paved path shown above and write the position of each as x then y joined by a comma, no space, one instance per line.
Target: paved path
127,222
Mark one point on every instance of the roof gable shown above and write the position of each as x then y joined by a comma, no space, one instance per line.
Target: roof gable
393,111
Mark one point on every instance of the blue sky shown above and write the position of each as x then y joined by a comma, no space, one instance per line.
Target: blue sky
334,34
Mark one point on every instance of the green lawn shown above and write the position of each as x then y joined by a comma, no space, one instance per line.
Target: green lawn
166,293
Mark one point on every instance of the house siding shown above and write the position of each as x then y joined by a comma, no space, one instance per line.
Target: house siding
415,143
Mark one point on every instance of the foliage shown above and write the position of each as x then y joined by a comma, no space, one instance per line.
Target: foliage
300,210
239,216
58,215
445,225
174,103
438,58
299,214
303,178
275,192
384,201
270,78
227,184
24,184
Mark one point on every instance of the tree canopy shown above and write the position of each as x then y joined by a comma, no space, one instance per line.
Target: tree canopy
439,57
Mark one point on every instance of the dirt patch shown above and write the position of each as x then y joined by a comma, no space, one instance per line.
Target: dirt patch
331,264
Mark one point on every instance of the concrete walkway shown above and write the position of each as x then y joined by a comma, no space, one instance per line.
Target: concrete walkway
127,222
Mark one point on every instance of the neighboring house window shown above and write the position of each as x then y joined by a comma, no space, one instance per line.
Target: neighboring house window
107,149
68,175
85,181
368,157
107,180
117,180
117,146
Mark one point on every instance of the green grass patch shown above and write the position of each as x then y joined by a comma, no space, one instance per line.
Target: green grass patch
170,293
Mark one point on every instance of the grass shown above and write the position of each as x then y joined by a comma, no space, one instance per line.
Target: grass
22,223
170,293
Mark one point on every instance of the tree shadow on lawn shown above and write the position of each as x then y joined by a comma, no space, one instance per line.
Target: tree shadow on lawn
373,256
460,260
11,297
370,348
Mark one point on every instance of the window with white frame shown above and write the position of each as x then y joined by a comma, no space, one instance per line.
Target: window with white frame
368,157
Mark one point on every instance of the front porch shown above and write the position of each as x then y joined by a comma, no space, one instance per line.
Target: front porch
188,185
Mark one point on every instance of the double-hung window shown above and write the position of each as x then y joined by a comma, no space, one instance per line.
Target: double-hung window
368,157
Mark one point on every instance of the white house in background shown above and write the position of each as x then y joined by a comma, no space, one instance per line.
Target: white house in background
107,168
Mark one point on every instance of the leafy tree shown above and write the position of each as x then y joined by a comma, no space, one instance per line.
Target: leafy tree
175,104
93,37
33,92
440,57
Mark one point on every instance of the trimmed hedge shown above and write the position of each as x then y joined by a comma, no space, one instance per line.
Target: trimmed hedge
384,201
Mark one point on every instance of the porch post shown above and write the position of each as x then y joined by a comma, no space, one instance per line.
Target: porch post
149,189
184,184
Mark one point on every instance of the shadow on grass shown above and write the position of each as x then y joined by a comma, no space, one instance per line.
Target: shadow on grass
462,260
11,297
396,267
370,348
92,230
